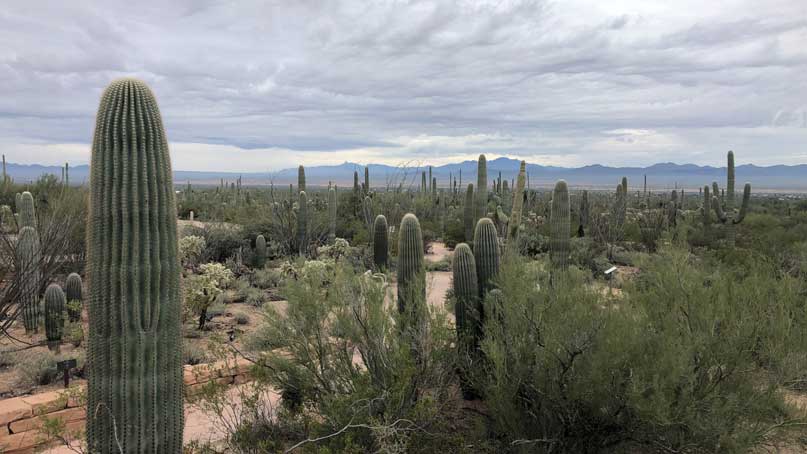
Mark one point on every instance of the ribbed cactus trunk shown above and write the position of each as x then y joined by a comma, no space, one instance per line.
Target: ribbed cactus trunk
302,224
26,210
706,208
467,311
486,255
29,275
727,214
469,211
366,180
134,402
367,211
54,316
331,215
518,206
260,251
74,292
672,209
380,242
411,271
559,229
356,187
423,181
300,179
481,188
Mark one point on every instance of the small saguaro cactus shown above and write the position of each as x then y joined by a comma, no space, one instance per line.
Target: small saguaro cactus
302,224
481,188
134,392
559,228
729,216
356,187
331,215
423,182
672,209
366,180
515,214
411,271
26,210
367,211
468,213
74,292
625,185
467,309
706,208
380,242
54,316
584,214
300,178
486,254
29,275
260,251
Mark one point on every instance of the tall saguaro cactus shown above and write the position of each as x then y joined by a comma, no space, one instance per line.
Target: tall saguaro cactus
486,254
559,228
54,315
584,214
29,274
468,213
135,371
467,309
706,208
366,180
75,295
481,188
302,224
331,215
728,216
300,179
26,210
411,270
515,214
380,242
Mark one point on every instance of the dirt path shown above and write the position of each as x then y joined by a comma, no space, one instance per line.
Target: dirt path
438,252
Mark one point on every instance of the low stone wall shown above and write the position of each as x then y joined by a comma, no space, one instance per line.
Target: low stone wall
22,418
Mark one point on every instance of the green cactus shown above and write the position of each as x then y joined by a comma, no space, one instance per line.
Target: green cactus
467,308
74,292
423,182
584,214
486,254
367,211
366,180
380,242
134,399
469,213
672,209
625,186
54,316
411,271
511,246
729,216
356,187
481,188
620,207
26,210
559,228
302,224
331,215
706,208
300,179
17,200
29,276
260,251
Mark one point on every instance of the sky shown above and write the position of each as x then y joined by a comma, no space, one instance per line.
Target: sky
264,85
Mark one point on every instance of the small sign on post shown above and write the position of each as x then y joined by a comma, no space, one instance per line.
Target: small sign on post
609,274
65,367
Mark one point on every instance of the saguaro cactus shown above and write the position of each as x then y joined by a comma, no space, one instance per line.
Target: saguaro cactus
260,251
300,179
584,213
515,214
366,180
728,216
411,271
54,316
26,210
331,215
467,308
706,208
481,188
559,228
134,400
468,213
672,209
367,210
302,224
486,254
380,242
29,276
75,295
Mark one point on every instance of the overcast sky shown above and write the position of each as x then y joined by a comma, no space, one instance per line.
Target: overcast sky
262,85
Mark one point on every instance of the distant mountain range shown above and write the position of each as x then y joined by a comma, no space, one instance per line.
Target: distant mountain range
659,176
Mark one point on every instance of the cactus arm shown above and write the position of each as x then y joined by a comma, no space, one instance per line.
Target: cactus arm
744,205
721,216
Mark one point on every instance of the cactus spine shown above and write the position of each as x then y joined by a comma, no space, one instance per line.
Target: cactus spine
26,210
302,224
54,316
559,228
300,179
75,295
468,213
729,216
380,242
486,254
29,276
481,188
134,361
411,271
331,215
515,214
260,251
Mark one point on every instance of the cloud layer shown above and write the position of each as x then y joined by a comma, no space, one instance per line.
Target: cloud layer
258,85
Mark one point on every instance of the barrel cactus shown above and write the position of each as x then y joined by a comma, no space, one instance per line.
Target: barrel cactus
729,216
302,224
486,254
29,276
481,188
54,316
26,210
380,242
468,214
559,248
134,393
515,213
260,251
300,179
331,215
411,270
74,292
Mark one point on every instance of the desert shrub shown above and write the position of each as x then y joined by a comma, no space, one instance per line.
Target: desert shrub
440,265
266,278
241,318
36,368
454,232
190,249
74,333
221,242
193,354
202,290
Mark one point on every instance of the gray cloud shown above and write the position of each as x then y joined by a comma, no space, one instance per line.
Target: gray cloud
565,83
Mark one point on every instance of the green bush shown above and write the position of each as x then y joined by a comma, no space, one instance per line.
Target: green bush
36,368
